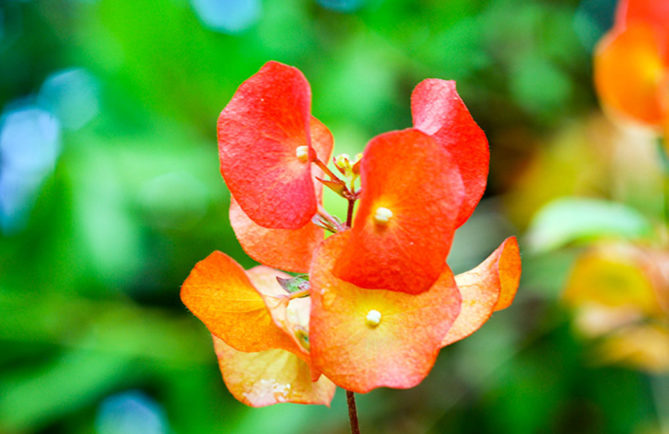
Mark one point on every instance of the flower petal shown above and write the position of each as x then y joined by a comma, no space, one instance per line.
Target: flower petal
630,69
285,249
438,110
290,315
270,377
220,294
403,230
259,133
643,346
362,338
489,287
653,12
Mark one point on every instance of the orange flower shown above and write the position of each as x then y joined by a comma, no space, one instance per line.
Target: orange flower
632,62
379,300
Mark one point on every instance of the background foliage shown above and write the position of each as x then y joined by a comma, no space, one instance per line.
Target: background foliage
110,192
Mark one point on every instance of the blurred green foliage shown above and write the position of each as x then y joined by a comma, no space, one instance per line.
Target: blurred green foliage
93,335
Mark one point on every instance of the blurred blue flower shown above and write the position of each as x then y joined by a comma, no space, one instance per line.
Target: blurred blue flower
341,5
29,147
72,95
130,412
228,16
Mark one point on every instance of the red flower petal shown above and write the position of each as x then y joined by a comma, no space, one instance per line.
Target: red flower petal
437,110
220,294
407,174
489,287
259,132
270,377
285,249
399,350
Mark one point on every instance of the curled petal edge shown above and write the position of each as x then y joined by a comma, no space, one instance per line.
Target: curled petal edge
489,287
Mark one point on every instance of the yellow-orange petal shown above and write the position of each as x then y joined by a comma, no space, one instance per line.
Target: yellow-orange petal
509,269
644,347
631,67
490,286
270,377
612,276
285,249
367,338
220,294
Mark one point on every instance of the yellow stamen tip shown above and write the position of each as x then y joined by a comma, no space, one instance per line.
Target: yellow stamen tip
302,153
342,161
382,215
373,318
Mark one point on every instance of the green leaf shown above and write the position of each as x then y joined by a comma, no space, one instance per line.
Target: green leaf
577,219
294,284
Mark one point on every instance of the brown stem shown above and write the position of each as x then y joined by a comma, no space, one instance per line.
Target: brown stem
352,412
349,212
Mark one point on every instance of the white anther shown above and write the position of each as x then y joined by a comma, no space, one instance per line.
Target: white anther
373,318
302,153
382,215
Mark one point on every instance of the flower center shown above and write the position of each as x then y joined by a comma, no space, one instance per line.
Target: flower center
302,153
373,318
382,215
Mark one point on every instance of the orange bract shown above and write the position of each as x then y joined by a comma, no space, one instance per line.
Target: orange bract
362,339
632,62
220,294
403,229
631,70
489,287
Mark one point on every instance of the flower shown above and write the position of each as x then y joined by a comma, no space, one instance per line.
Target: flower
619,294
632,62
379,300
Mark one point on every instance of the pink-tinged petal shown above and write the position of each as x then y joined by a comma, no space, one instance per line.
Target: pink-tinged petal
439,111
259,133
221,295
285,249
489,287
270,377
402,231
367,338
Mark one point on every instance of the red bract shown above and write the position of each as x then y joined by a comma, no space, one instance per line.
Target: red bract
264,147
402,232
438,110
379,300
286,249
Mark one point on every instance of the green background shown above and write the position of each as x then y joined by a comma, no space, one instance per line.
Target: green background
93,336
